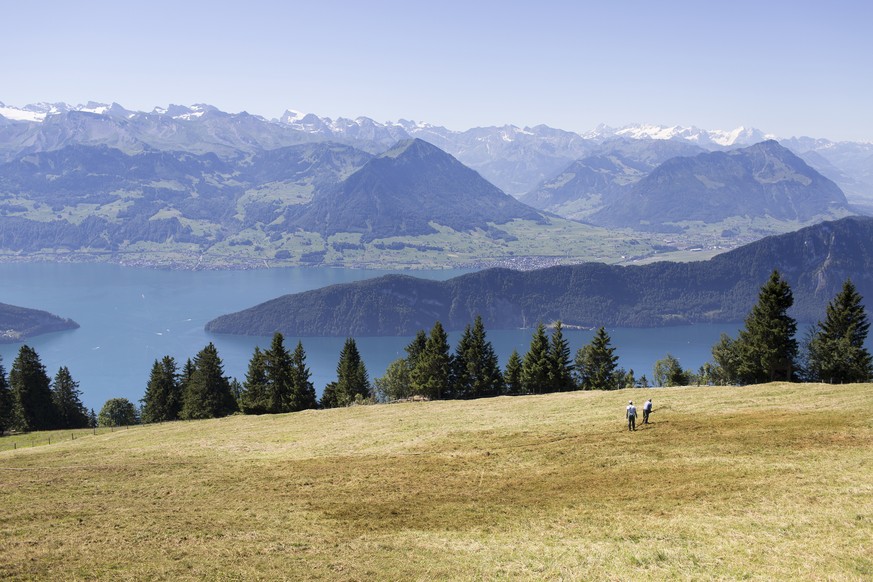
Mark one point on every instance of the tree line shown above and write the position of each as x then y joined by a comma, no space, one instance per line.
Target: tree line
278,380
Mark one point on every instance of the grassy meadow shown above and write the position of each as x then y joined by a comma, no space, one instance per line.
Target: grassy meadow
763,482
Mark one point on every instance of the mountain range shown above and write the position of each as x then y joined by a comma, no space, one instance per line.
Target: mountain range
212,188
765,179
515,159
815,261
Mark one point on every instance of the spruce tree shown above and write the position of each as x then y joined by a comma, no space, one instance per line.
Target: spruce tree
208,394
328,396
535,377
352,380
185,376
163,396
560,363
32,404
302,389
596,363
461,380
512,375
432,372
488,377
836,351
6,407
766,349
416,348
254,396
278,368
5,401
67,398
726,358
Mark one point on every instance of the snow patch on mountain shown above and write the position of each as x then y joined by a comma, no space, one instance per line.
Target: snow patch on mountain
15,114
739,136
96,108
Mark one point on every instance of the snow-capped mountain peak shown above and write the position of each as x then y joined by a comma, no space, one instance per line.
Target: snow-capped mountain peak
739,136
35,112
292,116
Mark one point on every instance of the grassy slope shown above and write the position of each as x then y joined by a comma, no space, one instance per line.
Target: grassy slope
764,482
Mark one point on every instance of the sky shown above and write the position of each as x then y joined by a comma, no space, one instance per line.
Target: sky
789,68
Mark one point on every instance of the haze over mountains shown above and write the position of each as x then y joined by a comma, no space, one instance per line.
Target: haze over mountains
200,183
514,159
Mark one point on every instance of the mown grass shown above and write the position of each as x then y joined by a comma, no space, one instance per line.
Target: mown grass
764,482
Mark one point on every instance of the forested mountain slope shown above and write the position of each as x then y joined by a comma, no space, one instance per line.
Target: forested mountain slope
20,323
815,261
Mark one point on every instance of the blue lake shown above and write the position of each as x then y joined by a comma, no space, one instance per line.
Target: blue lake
130,317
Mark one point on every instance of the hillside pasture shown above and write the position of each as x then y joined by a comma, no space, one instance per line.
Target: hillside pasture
762,482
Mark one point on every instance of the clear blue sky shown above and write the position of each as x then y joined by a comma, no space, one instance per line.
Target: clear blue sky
786,67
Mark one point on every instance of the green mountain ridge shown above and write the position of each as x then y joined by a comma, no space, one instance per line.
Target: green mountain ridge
21,323
814,260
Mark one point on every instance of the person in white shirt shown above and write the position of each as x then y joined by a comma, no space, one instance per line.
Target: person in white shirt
647,409
631,416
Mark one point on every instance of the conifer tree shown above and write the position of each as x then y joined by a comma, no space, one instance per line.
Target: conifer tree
535,369
236,390
67,398
415,348
163,396
765,350
432,371
596,363
32,405
352,380
476,371
303,390
278,368
328,396
254,396
836,351
207,394
560,363
512,375
185,376
461,379
5,401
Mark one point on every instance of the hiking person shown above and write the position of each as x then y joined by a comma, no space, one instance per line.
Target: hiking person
631,415
647,409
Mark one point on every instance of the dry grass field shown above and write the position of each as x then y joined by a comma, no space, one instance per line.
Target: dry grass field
771,482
